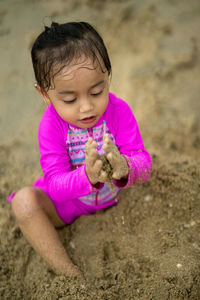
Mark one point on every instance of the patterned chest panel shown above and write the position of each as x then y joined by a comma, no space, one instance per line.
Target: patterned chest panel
76,140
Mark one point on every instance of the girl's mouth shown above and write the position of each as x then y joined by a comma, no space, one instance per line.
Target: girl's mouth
88,120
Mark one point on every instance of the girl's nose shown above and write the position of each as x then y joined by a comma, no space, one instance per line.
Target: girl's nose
86,106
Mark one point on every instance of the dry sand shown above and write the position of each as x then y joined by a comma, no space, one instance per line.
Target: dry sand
148,246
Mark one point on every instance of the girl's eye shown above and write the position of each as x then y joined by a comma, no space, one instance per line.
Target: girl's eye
69,101
97,94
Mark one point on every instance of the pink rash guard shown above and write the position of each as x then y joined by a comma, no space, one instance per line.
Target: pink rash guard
62,148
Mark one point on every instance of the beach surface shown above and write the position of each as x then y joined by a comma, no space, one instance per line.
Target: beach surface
148,245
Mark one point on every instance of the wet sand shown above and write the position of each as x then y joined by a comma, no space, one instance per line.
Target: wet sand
147,246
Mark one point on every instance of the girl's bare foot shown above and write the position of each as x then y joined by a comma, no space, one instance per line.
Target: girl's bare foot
73,271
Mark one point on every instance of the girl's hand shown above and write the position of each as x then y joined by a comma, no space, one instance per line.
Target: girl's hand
117,161
93,164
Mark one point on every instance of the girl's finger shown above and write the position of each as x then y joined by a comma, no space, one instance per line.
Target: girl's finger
110,158
92,156
97,166
94,144
114,159
88,142
103,176
108,146
88,145
116,176
106,136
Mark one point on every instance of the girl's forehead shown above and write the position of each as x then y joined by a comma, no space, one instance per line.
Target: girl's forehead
67,72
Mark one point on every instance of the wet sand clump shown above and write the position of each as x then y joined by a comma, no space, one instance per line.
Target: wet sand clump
106,166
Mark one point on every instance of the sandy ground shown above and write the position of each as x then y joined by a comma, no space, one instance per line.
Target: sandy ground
148,246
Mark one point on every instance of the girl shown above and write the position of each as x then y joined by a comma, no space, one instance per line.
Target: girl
82,121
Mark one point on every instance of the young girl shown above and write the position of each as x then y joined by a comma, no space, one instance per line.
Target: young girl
82,121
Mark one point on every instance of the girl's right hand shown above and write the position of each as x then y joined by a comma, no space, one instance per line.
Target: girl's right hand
93,164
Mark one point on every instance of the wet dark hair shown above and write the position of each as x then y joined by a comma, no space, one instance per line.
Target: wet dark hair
57,46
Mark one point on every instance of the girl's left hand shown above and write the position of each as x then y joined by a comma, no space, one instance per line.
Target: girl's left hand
93,164
117,161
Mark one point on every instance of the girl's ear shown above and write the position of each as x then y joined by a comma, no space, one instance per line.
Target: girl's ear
42,93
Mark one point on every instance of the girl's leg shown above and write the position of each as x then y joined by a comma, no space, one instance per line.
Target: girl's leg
37,219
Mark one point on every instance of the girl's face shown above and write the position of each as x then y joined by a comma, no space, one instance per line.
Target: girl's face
79,94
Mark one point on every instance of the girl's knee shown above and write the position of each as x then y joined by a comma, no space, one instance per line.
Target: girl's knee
25,203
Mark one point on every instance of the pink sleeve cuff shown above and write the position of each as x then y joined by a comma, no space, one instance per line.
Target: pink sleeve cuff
139,169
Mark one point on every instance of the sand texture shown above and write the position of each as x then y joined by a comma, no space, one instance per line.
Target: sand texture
148,245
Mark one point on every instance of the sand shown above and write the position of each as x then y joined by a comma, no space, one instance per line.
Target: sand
148,245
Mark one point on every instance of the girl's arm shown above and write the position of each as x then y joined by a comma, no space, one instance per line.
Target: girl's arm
131,147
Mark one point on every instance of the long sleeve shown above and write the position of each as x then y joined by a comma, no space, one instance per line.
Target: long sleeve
62,183
130,145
